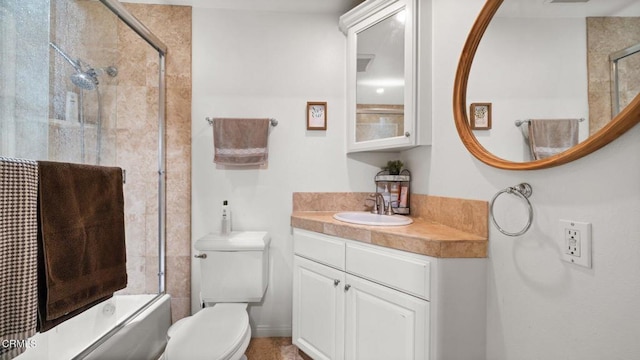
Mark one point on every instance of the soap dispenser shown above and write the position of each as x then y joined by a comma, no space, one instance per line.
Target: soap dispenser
226,219
386,196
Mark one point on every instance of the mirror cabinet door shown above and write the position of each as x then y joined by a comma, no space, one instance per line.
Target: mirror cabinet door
380,77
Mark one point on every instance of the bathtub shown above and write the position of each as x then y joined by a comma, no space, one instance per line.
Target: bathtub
142,337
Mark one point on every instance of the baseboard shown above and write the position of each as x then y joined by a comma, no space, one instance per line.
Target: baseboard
272,331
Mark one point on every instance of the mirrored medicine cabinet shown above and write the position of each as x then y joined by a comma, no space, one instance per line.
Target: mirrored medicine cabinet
386,106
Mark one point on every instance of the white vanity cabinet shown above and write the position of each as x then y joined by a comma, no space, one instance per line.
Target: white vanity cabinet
318,309
345,306
356,301
383,323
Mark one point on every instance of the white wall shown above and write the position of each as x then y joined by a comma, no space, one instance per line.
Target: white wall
269,64
538,306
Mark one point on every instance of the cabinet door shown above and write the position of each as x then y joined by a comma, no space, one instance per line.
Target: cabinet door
318,309
381,75
382,323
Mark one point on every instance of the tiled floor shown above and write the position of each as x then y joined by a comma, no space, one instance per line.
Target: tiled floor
279,348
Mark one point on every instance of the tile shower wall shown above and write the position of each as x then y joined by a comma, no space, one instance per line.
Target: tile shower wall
172,24
31,126
375,124
606,35
136,154
130,126
97,48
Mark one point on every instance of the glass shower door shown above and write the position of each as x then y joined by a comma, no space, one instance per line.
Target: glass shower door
625,75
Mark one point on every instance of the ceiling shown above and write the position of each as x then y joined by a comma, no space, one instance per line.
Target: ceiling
304,6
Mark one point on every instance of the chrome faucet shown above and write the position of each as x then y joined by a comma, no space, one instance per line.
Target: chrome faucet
378,203
389,210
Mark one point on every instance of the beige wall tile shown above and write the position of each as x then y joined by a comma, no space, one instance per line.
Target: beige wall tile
606,35
172,24
329,201
151,274
179,275
180,308
463,214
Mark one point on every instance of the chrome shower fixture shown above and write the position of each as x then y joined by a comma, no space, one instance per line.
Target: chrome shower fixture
85,79
74,63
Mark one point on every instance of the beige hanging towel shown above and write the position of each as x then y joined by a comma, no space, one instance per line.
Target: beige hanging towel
548,137
240,142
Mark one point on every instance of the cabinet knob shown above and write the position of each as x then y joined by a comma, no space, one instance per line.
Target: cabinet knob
336,282
407,134
347,287
200,256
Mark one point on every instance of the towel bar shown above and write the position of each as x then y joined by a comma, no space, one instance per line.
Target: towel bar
520,122
273,122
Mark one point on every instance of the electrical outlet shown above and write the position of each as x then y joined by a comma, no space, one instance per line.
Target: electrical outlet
572,242
576,242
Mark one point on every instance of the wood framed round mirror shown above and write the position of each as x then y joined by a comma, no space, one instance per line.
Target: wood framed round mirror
625,119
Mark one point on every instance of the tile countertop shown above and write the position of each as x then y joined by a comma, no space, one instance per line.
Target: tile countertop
423,236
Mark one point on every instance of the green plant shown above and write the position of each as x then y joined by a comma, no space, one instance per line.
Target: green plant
393,167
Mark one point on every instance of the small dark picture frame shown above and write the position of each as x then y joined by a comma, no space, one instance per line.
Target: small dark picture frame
316,115
480,116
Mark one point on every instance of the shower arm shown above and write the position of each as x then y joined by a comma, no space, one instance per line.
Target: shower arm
74,63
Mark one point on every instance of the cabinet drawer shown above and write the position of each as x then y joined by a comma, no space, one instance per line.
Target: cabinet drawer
403,272
319,247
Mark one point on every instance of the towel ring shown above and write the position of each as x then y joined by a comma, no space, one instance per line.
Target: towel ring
523,191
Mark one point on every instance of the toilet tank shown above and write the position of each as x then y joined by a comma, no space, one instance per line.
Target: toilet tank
233,267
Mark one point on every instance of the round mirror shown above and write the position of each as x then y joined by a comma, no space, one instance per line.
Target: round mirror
542,83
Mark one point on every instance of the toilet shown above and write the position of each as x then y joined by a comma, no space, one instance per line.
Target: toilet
234,272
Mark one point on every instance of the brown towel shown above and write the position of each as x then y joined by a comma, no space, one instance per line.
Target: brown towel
82,239
240,142
18,254
548,137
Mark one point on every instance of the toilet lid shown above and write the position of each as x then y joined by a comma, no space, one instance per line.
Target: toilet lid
173,329
212,333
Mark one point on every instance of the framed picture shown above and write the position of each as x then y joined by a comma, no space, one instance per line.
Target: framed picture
316,116
480,116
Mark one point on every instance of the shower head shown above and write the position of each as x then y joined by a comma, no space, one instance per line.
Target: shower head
85,79
88,80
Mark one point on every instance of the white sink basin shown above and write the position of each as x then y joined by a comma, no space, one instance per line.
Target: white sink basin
367,218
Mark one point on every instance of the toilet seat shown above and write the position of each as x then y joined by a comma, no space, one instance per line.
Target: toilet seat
221,332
